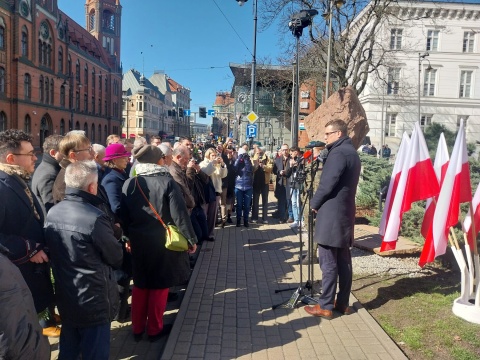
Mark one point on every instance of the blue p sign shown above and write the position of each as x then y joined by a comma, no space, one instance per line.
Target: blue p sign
251,130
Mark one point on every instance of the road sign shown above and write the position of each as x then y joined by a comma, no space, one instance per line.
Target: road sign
251,130
186,112
301,126
211,112
252,117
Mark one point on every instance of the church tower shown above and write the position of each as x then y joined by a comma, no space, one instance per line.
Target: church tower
103,19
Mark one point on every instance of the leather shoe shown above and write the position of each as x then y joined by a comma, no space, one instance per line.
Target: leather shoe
52,331
316,310
344,309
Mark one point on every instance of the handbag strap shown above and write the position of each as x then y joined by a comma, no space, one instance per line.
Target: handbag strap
151,206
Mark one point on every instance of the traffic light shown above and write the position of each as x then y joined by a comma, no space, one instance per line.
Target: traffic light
202,112
180,112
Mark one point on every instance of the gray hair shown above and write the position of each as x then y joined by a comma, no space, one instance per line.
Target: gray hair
98,148
180,150
139,142
167,150
80,174
79,132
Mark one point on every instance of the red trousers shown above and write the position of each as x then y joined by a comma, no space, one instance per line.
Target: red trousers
148,306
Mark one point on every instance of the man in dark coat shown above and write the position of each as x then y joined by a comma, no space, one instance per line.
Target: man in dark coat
334,203
281,169
46,173
21,216
83,252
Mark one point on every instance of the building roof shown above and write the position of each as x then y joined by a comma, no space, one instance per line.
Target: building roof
133,82
159,79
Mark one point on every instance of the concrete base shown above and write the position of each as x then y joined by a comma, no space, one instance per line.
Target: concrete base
467,310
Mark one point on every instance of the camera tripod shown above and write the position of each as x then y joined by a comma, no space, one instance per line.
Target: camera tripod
304,292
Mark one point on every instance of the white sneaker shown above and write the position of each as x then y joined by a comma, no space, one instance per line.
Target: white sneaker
294,225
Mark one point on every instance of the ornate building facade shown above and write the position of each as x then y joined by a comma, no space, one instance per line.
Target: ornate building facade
55,75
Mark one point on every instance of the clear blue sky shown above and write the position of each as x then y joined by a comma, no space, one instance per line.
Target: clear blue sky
191,40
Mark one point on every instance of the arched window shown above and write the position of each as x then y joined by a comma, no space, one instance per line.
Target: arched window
77,126
49,55
2,36
105,131
85,128
40,88
99,134
44,53
47,90
24,41
85,75
100,107
91,20
108,20
40,52
27,86
100,82
92,134
62,127
51,92
77,71
69,65
3,121
85,102
60,60
27,126
62,96
2,80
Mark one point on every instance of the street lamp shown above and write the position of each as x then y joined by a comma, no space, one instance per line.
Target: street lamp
254,54
421,58
328,15
298,22
127,102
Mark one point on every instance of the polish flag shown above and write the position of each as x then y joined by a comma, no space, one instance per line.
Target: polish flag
467,224
440,166
456,189
417,182
394,179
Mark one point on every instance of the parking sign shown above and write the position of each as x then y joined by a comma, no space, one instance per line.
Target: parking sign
251,130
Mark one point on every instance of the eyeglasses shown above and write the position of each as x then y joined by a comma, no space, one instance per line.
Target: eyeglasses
31,154
285,149
89,149
331,132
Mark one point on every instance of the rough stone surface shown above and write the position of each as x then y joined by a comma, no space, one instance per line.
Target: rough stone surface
343,105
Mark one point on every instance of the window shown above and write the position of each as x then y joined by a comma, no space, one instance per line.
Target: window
85,128
99,133
91,20
100,82
93,78
391,124
396,39
92,134
429,82
48,55
40,88
47,90
432,40
69,65
304,94
3,121
27,86
393,81
85,103
425,121
27,125
2,38
85,75
51,91
106,108
2,80
60,60
303,104
24,42
77,71
62,127
77,101
465,83
77,125
93,104
62,96
468,41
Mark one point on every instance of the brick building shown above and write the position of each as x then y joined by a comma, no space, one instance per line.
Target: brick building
56,75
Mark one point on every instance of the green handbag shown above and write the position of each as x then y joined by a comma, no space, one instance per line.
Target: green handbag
175,240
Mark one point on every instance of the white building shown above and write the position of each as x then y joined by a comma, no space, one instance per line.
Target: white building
448,77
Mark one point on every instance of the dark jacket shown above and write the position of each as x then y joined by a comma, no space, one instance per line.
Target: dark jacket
243,167
83,251
278,166
58,190
199,180
154,266
335,196
43,179
20,232
20,335
112,183
180,176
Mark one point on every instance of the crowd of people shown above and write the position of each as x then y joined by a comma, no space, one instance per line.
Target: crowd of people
91,218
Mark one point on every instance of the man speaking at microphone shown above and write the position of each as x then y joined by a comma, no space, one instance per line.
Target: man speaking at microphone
334,204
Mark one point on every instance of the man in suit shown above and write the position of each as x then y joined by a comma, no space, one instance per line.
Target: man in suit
334,203
21,216
281,169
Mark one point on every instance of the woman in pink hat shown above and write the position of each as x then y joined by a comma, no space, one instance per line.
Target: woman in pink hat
116,158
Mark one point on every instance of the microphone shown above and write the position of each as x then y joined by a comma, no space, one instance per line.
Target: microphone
322,156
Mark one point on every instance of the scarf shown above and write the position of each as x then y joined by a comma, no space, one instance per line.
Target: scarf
150,169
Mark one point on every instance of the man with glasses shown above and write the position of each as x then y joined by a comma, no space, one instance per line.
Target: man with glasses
334,204
21,217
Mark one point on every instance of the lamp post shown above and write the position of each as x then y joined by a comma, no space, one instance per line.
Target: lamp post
421,58
297,23
254,54
126,100
328,14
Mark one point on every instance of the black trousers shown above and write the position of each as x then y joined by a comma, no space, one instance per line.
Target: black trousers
257,191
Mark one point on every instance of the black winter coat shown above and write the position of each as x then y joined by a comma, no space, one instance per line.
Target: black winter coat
154,266
112,182
43,180
20,335
20,232
83,252
335,196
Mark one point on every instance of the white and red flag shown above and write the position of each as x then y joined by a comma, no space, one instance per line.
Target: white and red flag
394,179
456,189
417,182
467,223
440,166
